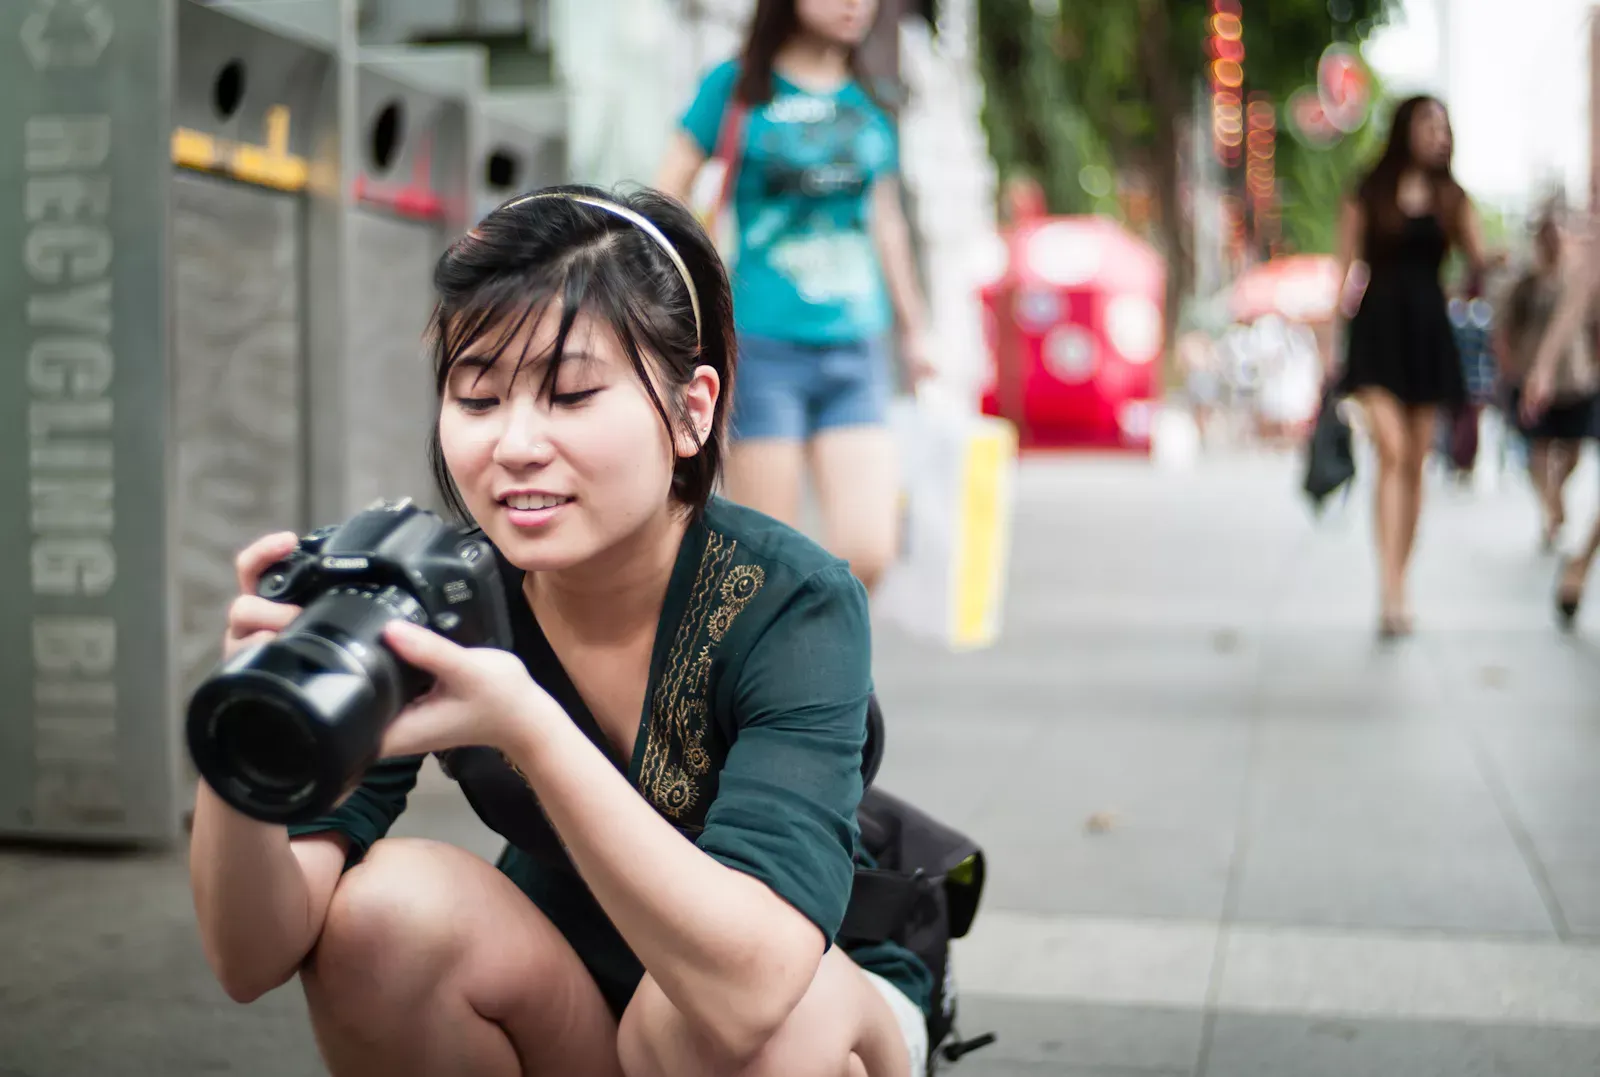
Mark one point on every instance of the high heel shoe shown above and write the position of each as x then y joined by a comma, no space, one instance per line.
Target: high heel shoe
1569,598
1393,626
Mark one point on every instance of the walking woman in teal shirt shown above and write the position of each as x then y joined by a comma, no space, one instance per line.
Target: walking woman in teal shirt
672,747
823,269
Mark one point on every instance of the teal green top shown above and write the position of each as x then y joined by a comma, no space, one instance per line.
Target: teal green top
805,268
750,743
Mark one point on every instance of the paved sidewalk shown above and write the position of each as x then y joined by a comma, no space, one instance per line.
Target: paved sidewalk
1229,835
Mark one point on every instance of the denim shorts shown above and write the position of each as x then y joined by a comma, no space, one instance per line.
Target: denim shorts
794,391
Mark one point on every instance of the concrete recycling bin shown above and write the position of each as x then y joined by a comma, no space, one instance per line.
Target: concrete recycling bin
174,296
410,198
520,146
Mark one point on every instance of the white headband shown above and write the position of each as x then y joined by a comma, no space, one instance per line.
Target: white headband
645,225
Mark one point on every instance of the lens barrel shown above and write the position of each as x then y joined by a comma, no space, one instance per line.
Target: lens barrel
282,731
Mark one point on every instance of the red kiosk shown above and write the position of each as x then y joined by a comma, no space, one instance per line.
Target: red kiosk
1074,334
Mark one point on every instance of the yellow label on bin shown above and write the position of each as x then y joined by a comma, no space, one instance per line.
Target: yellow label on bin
271,165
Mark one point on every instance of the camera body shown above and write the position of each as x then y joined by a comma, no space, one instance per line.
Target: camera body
282,731
435,575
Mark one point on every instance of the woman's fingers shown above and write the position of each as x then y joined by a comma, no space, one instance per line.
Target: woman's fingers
251,613
253,620
232,645
423,648
254,558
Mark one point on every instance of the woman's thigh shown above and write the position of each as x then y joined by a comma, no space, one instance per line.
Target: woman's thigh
430,957
843,1024
765,467
858,490
768,475
1421,425
1386,423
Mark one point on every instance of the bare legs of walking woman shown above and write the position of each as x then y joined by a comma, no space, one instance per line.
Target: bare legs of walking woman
1551,462
1403,437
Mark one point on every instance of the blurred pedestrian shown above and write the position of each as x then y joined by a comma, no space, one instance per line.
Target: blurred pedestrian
822,269
1560,414
1202,377
1472,320
1559,393
1401,362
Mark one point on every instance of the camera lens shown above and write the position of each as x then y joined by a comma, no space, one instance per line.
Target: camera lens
266,744
282,730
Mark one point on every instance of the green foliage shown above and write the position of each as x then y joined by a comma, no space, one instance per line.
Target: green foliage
1311,182
1068,85
1035,129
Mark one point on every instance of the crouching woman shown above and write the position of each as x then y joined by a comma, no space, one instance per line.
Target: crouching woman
672,748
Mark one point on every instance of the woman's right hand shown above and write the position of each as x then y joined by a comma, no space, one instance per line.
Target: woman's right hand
251,618
1536,393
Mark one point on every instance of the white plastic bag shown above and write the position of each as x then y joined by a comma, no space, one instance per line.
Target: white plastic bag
957,478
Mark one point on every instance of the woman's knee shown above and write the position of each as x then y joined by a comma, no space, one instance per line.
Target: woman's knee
868,563
816,1040
388,926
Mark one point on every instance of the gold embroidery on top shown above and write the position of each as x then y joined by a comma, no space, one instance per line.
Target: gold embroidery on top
738,587
675,757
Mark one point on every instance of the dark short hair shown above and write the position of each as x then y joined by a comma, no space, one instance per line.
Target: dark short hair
530,252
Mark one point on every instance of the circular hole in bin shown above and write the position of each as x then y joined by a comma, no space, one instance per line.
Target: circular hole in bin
228,91
502,169
387,132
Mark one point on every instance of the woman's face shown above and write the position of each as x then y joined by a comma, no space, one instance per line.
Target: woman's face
838,22
1430,135
555,481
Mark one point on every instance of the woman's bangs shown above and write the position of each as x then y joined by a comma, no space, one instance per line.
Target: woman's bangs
497,323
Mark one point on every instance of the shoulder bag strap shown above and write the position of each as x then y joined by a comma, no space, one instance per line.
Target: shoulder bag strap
730,151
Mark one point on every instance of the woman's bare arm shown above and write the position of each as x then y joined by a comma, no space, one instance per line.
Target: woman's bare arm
731,956
1582,281
679,166
1346,252
891,236
260,898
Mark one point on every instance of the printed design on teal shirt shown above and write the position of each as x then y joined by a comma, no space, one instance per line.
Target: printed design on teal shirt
676,772
814,158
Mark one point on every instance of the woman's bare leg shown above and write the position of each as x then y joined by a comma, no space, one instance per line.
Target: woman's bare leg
1539,473
842,1026
768,475
858,488
1387,426
432,963
1563,461
1575,573
1420,423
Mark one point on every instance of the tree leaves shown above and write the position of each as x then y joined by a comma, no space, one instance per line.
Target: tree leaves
1066,89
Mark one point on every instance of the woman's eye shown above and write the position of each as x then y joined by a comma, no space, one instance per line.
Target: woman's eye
567,400
476,404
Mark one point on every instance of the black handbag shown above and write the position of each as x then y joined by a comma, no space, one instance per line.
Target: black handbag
1330,455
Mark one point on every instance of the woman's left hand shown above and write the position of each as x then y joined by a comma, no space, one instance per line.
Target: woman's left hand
914,352
480,695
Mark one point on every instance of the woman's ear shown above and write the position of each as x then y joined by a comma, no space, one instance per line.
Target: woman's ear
700,407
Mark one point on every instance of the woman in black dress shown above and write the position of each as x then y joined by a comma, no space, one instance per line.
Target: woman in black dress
1401,363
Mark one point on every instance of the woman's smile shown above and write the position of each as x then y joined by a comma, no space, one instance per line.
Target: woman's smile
533,508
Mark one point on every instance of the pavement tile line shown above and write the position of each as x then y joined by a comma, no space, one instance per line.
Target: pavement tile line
1283,971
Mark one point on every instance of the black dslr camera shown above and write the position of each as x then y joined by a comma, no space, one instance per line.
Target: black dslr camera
283,730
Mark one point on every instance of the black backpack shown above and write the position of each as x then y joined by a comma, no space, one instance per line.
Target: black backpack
923,892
